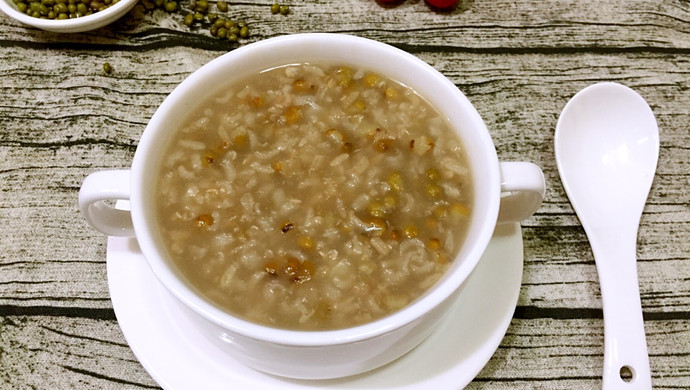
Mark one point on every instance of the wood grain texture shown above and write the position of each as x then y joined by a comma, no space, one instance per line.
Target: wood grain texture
518,61
69,353
596,25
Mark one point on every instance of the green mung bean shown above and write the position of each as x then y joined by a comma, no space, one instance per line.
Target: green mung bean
188,20
244,32
201,6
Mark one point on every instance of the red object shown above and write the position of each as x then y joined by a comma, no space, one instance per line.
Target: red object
443,4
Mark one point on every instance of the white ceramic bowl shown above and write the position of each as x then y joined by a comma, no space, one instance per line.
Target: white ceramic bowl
84,23
317,354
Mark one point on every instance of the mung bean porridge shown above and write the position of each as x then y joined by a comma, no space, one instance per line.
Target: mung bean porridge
313,197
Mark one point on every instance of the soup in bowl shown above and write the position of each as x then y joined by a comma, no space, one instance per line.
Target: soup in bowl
315,201
358,185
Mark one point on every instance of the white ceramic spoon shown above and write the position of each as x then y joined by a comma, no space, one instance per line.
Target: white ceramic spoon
607,147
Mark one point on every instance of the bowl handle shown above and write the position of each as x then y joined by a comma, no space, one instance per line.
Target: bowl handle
97,197
522,191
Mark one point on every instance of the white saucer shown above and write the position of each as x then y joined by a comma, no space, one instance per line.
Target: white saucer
178,357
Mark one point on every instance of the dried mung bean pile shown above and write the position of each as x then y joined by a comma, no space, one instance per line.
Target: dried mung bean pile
196,13
62,9
201,13
205,14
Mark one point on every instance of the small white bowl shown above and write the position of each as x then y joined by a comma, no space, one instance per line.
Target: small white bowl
84,23
330,353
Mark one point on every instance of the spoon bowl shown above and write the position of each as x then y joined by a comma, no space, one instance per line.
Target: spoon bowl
607,139
607,148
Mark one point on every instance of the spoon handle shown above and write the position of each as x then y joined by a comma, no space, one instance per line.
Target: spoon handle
626,362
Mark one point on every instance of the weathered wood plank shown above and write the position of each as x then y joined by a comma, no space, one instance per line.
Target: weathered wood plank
67,353
497,25
572,357
50,256
82,97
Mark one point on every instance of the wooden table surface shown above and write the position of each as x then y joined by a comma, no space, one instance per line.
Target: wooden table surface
63,117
